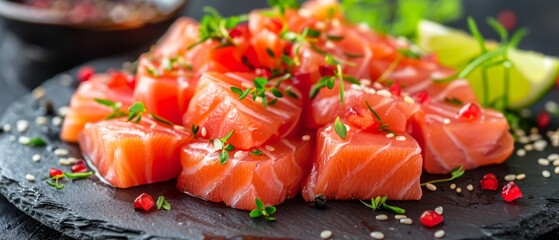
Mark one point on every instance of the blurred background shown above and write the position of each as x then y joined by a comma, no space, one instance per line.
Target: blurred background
40,38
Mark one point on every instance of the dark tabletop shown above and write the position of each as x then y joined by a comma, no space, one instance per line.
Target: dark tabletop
15,64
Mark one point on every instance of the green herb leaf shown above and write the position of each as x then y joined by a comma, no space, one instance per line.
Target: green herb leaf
256,152
78,176
237,90
340,128
500,29
259,204
477,34
223,157
55,185
194,129
395,209
277,93
455,174
290,93
335,38
313,33
37,142
226,137
380,202
282,5
161,119
453,100
270,209
137,108
105,102
162,204
255,213
229,147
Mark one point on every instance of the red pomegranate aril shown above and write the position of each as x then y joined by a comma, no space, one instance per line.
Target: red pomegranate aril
470,111
85,73
544,118
507,18
511,192
430,218
489,182
144,201
395,89
79,167
55,172
326,71
421,97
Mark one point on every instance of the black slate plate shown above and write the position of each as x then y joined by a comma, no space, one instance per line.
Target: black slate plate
90,209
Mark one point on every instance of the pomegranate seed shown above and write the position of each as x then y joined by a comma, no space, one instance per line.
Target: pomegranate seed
470,111
421,97
395,89
326,71
288,47
85,73
507,18
511,192
54,172
544,119
79,167
430,218
489,182
144,201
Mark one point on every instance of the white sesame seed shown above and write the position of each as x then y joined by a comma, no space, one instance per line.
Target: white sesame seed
381,217
12,138
555,142
551,106
365,82
406,221
400,216
390,135
329,45
377,85
72,160
556,170
62,111
529,147
38,93
446,121
377,235
556,163
36,158
363,26
269,148
523,139
534,137
179,128
328,128
409,100
7,127
259,100
22,125
521,152
306,138
30,178
326,234
24,140
400,138
384,93
546,174
439,210
520,132
238,154
64,162
510,177
56,121
41,120
553,156
470,187
439,234
370,91
61,152
431,187
453,186
543,162
203,132
356,87
540,145
520,176
458,190
347,127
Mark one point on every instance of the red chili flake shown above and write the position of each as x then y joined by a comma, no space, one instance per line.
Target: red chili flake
395,89
544,119
85,73
79,167
326,71
489,182
421,97
507,18
54,172
430,218
144,201
470,111
511,192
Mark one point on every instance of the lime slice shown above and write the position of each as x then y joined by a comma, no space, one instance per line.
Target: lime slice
532,75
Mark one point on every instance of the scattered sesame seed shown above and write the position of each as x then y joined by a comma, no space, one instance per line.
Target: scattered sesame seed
534,137
520,132
41,120
520,176
30,178
553,156
409,100
72,160
269,148
38,93
7,127
377,85
470,187
543,162
446,121
546,174
534,130
203,132
431,187
439,234
306,138
555,143
384,93
238,154
326,234
328,128
24,140
64,162
36,158
439,210
179,128
22,125
551,106
400,216
335,23
390,135
381,217
453,186
523,139
66,80
329,45
458,190
556,170
62,111
370,91
406,221
356,87
556,163
521,152
61,152
540,145
365,82
510,177
529,147
56,121
400,138
377,235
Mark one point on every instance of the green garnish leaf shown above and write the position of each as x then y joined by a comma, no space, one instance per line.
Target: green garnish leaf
290,93
162,204
500,29
55,185
105,102
137,108
255,213
194,129
224,139
340,128
282,5
313,33
37,142
453,100
256,152
114,105
237,90
223,157
270,53
263,211
335,38
214,26
229,147
380,202
277,93
161,119
259,204
77,176
455,174
395,209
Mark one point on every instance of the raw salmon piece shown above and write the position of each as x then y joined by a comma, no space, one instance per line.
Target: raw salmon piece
366,164
272,177
130,154
165,86
182,34
84,109
458,142
219,110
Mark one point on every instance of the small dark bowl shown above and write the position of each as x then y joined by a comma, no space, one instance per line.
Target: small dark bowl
60,39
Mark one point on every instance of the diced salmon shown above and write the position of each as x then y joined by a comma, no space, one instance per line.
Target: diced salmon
219,110
84,109
130,154
272,177
181,35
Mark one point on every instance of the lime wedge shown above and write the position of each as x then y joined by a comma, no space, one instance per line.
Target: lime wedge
532,75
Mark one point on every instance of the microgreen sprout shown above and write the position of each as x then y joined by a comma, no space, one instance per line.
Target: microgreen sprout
162,204
455,174
221,144
263,211
380,203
